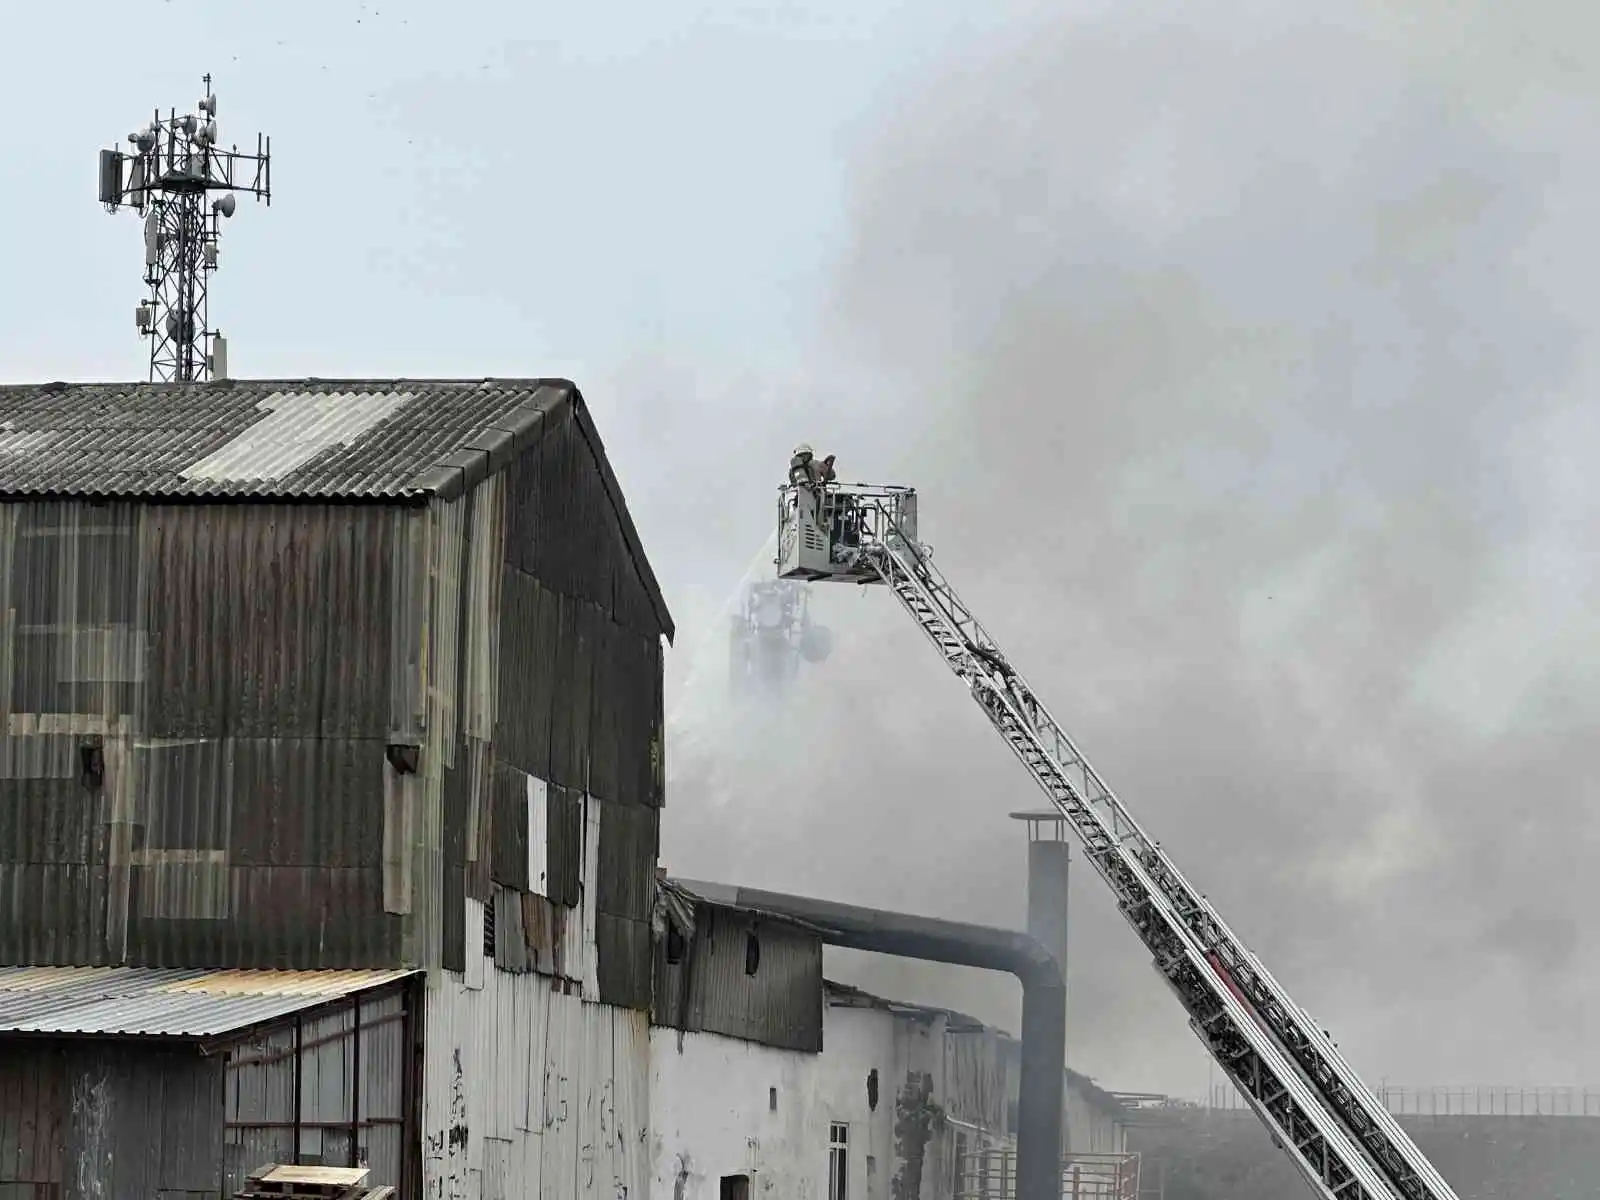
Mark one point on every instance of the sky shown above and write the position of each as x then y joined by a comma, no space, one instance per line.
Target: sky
1240,352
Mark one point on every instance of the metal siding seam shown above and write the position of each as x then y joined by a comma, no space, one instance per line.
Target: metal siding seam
631,1071
560,1170
487,552
594,1075
538,836
589,891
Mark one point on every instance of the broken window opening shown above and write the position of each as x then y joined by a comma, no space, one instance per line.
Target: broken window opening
752,953
677,945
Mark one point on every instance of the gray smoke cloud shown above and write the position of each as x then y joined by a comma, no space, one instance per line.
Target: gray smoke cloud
1242,361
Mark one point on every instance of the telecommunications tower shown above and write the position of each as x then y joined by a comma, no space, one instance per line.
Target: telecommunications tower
175,166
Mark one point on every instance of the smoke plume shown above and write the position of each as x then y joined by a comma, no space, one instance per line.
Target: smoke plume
1241,361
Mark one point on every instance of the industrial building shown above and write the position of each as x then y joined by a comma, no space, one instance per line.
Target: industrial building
331,777
312,689
768,1079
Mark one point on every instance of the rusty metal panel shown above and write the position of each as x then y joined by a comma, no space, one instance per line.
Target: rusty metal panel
529,629
779,1003
565,851
45,821
265,802
608,685
54,913
545,926
285,917
574,694
624,960
33,1094
509,851
625,886
244,606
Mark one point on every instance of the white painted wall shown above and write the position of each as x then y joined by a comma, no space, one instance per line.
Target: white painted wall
711,1111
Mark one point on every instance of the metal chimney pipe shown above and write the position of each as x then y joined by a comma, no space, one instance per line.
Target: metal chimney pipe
1048,856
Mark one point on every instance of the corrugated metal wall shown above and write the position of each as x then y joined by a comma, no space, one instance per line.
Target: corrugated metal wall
233,665
975,1078
552,804
339,1092
88,1121
120,1120
713,990
533,1091
236,671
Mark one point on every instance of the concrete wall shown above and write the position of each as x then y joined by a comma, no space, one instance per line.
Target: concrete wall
720,1106
908,1086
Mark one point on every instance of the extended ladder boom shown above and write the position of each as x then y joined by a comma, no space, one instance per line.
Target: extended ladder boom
1337,1133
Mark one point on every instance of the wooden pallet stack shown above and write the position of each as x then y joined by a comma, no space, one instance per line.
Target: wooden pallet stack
273,1182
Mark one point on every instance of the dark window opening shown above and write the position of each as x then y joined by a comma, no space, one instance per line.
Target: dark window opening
92,764
752,954
772,1099
488,930
872,1090
734,1187
677,944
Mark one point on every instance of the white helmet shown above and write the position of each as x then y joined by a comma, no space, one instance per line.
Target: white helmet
804,450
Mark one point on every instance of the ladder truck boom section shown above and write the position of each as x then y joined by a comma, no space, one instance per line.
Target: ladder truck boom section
1340,1137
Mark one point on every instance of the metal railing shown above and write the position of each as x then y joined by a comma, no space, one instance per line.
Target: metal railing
1458,1101
991,1174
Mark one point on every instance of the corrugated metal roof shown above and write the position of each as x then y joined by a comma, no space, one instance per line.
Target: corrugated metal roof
272,439
151,1002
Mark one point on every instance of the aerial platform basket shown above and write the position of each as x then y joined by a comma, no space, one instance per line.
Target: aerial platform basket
835,532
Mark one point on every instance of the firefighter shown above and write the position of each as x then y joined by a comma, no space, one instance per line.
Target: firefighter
806,470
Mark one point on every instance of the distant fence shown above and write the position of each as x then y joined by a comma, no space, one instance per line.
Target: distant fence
1464,1101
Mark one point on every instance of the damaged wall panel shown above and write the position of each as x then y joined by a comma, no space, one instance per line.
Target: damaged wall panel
742,976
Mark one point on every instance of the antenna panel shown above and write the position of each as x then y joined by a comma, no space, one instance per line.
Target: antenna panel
110,177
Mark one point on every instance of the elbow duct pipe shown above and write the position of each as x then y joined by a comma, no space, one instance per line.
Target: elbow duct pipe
1044,999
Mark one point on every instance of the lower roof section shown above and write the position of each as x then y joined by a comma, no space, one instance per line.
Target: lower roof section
160,1003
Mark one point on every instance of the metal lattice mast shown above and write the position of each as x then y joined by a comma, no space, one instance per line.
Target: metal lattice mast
174,168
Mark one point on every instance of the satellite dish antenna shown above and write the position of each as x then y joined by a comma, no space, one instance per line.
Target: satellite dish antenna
188,123
225,204
208,105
